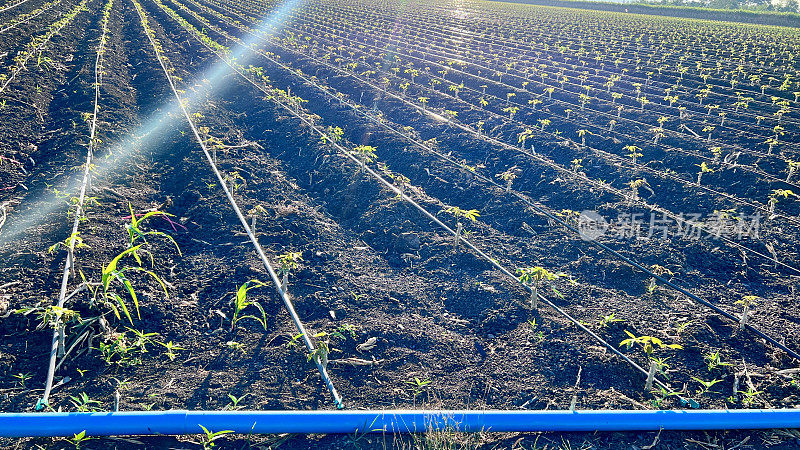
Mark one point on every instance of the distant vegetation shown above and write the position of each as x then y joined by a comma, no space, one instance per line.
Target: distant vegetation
783,13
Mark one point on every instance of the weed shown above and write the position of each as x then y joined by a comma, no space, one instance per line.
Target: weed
234,404
417,385
604,321
171,347
705,385
82,403
240,303
210,437
78,439
714,361
22,378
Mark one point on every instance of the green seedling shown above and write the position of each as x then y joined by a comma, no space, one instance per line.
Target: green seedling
749,396
747,302
78,439
714,361
333,135
22,378
254,213
706,385
115,273
469,214
533,277
605,321
240,303
236,346
82,403
321,351
417,385
703,169
365,153
135,231
777,195
508,176
234,404
210,437
287,263
648,343
634,152
171,347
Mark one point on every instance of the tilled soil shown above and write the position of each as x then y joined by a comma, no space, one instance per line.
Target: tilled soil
373,270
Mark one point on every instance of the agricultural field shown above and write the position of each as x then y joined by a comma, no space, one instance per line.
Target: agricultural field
312,204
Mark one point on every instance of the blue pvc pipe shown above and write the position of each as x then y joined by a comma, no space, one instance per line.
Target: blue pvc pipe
178,422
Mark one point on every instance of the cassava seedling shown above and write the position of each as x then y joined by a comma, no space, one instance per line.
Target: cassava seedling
634,152
778,194
288,262
635,185
469,214
648,343
793,166
254,213
365,153
747,302
703,169
534,277
508,176
524,136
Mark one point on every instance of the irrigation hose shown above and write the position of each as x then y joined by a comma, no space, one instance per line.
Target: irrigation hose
70,261
276,281
387,422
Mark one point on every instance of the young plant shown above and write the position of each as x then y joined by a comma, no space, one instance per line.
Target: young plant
135,231
240,303
78,439
418,385
469,214
210,437
288,262
635,185
534,277
82,403
793,166
254,213
634,152
508,176
703,169
333,135
778,194
648,343
171,347
714,361
705,385
749,396
115,274
747,302
365,153
605,321
22,378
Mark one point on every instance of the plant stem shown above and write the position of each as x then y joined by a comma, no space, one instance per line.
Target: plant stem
651,375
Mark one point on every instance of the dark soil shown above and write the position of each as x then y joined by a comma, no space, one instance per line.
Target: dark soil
373,266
